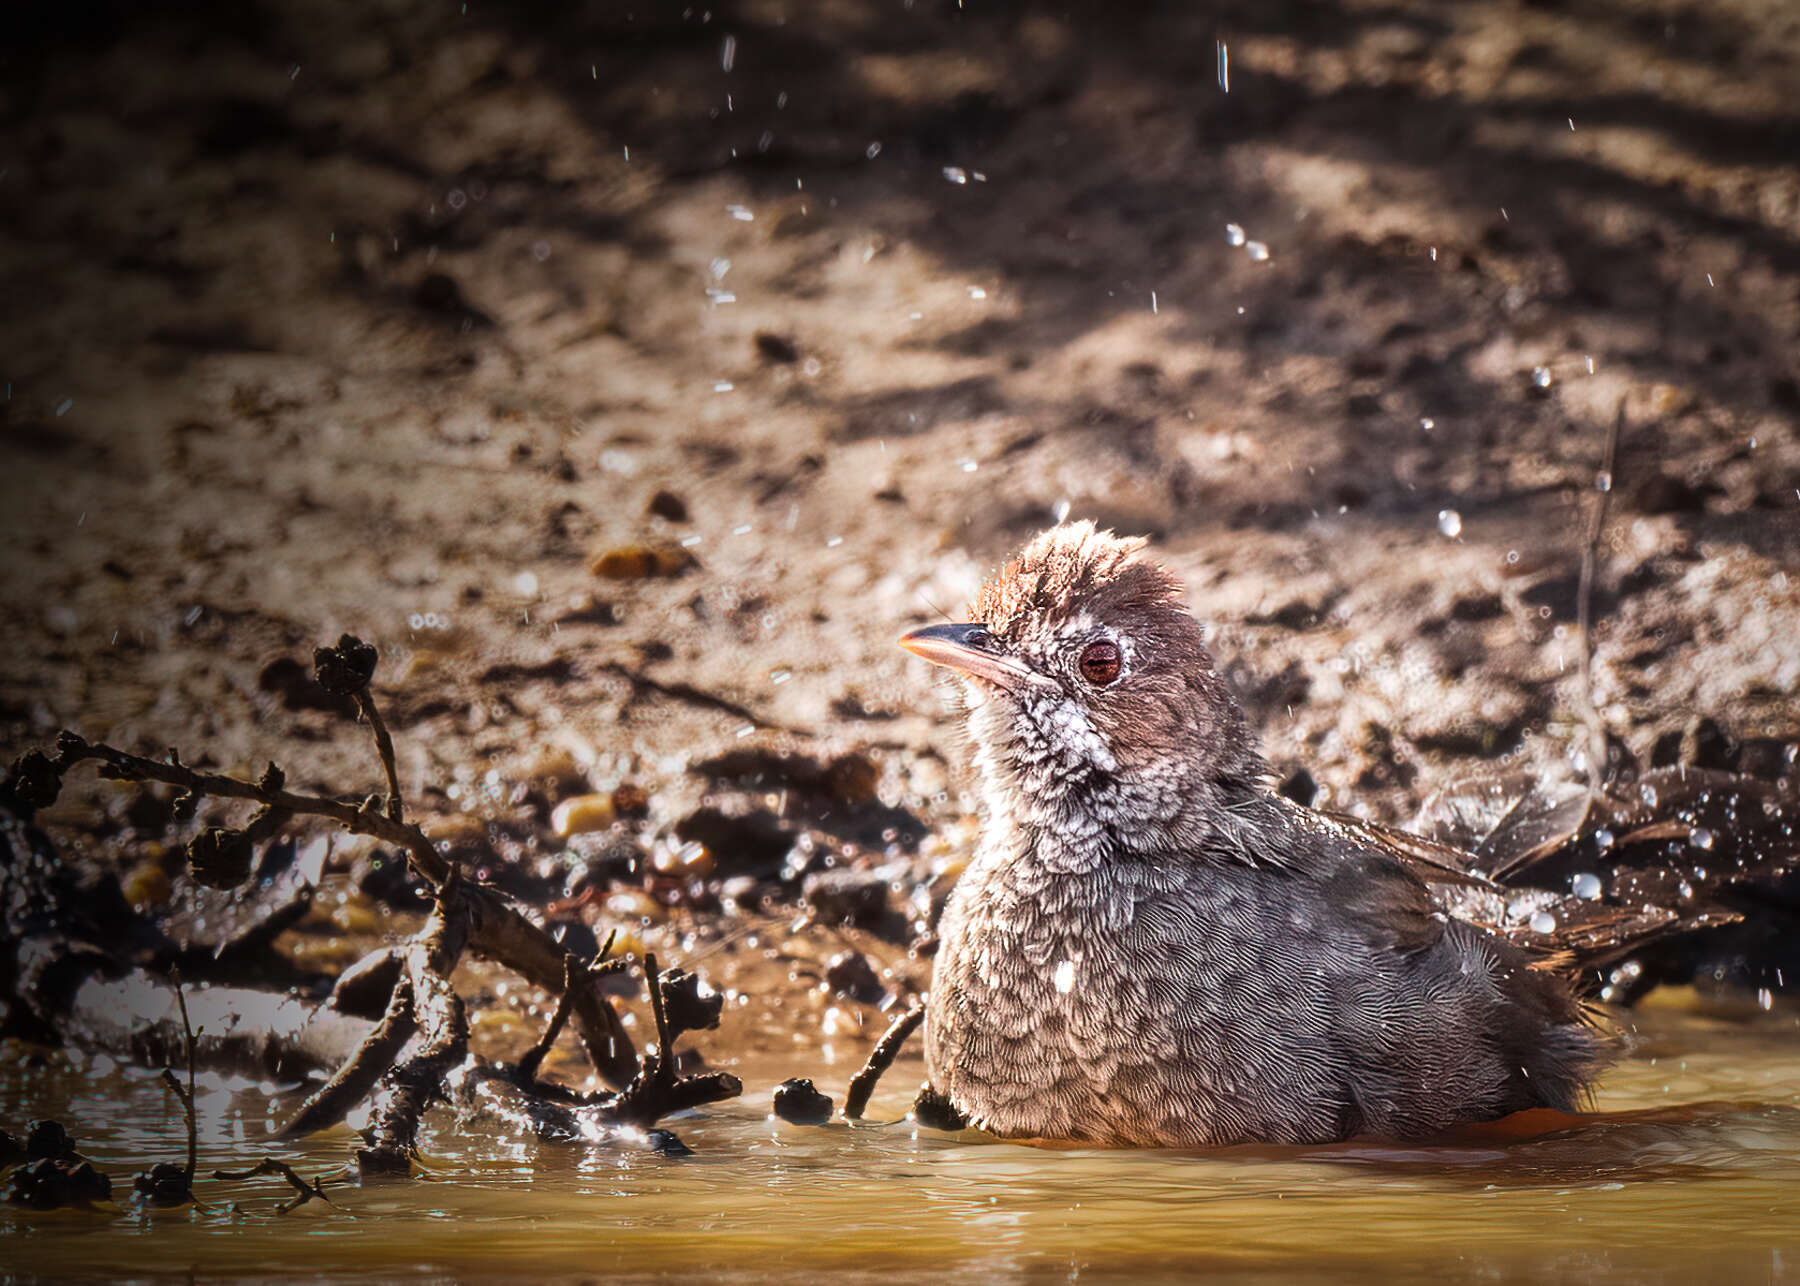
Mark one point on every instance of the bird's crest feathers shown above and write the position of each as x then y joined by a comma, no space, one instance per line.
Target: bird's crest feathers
1074,568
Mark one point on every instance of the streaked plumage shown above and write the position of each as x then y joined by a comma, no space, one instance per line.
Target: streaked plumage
1150,947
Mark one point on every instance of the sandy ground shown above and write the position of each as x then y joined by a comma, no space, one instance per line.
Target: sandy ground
396,318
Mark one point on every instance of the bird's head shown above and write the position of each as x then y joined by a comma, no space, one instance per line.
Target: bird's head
1092,700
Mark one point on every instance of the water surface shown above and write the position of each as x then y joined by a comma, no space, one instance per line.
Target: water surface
1690,1171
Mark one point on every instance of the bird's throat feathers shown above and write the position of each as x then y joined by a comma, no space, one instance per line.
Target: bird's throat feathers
1056,792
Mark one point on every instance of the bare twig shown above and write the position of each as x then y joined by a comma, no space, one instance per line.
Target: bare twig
165,1184
187,1096
1584,599
426,861
880,1059
269,1165
384,746
662,1069
573,970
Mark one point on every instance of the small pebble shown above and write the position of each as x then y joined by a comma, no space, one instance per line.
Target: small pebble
640,562
580,814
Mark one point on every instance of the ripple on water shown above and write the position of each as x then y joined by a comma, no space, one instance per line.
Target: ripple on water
1700,1177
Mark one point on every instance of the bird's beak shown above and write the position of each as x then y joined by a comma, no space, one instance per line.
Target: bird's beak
956,647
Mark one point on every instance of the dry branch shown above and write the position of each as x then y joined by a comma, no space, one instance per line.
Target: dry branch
269,1165
498,931
856,1098
360,1073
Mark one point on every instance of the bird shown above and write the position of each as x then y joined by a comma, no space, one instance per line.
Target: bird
1151,947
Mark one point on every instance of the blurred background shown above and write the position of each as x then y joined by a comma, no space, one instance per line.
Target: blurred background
633,373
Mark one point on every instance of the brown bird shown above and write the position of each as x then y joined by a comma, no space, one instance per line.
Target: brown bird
1152,947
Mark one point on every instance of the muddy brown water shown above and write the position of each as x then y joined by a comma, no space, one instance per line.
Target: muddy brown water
1690,1170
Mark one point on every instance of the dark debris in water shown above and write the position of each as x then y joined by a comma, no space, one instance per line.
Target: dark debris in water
53,1183
799,1102
935,1112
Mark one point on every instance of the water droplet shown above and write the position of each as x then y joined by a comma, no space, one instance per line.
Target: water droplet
1585,884
727,53
872,151
976,292
1256,250
1234,235
1647,793
1700,837
1064,976
1685,889
525,584
956,174
1541,377
1603,481
1449,523
1543,922
1603,839
1765,999
1224,67
742,213
1427,423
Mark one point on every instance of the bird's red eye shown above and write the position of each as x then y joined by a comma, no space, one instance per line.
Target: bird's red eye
1100,663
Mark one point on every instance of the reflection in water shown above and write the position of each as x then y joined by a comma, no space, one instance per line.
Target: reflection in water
1690,1168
